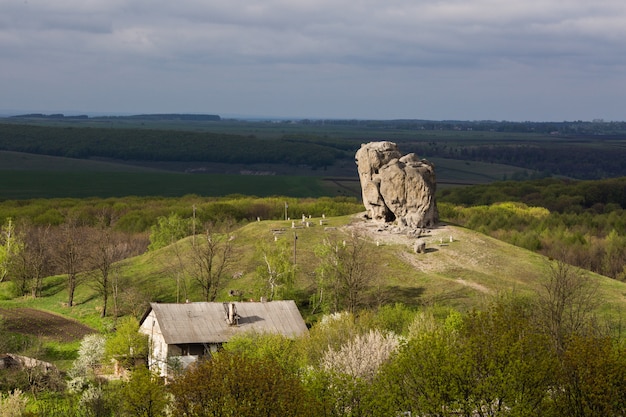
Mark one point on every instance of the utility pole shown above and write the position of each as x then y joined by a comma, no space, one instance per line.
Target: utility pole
193,226
295,239
286,207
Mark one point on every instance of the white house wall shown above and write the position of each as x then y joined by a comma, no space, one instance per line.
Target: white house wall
158,349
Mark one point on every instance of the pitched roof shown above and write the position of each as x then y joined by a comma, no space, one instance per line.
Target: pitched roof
205,322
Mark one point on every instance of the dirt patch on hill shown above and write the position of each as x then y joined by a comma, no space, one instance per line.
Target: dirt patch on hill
444,241
42,324
436,237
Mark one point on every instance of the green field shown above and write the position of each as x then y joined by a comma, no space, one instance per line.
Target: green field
44,184
25,176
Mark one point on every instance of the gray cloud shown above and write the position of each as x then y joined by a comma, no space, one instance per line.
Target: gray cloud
318,58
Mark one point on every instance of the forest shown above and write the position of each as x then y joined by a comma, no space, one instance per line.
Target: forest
579,150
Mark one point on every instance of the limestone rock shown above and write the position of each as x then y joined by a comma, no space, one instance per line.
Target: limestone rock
419,246
396,187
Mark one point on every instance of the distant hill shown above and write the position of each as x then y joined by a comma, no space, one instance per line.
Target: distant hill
152,117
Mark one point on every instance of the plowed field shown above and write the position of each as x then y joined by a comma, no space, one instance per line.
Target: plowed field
38,323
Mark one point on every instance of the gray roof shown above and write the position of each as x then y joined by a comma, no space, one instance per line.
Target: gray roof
205,322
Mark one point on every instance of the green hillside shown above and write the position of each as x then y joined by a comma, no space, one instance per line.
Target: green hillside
460,269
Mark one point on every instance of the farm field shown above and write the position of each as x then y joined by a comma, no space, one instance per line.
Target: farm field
25,176
31,184
43,325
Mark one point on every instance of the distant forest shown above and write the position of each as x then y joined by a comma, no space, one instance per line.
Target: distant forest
579,150
161,145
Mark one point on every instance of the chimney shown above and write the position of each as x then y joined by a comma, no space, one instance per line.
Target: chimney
232,318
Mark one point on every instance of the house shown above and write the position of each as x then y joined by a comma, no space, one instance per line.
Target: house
179,334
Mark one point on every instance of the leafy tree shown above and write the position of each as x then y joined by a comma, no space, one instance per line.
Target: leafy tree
277,269
10,248
168,230
494,363
509,365
395,318
614,259
592,378
144,395
127,343
424,377
233,385
276,347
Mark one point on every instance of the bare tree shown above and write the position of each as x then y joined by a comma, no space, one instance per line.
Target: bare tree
70,254
177,267
33,263
211,256
106,248
346,271
567,302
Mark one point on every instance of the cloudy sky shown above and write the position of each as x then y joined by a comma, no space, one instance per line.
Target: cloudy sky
425,59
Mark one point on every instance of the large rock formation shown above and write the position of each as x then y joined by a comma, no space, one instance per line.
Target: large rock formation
396,187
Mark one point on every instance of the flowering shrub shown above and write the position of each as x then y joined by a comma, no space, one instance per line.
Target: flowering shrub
12,404
362,356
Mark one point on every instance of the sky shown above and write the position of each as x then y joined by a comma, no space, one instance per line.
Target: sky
531,60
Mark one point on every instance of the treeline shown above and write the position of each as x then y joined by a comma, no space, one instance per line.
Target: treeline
569,159
579,222
150,117
559,195
138,214
161,145
578,127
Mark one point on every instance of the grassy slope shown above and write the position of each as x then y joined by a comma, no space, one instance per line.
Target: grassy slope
462,273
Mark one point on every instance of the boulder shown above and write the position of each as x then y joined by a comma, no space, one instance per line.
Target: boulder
395,187
419,246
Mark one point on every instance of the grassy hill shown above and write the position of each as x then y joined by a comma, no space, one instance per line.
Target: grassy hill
460,269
